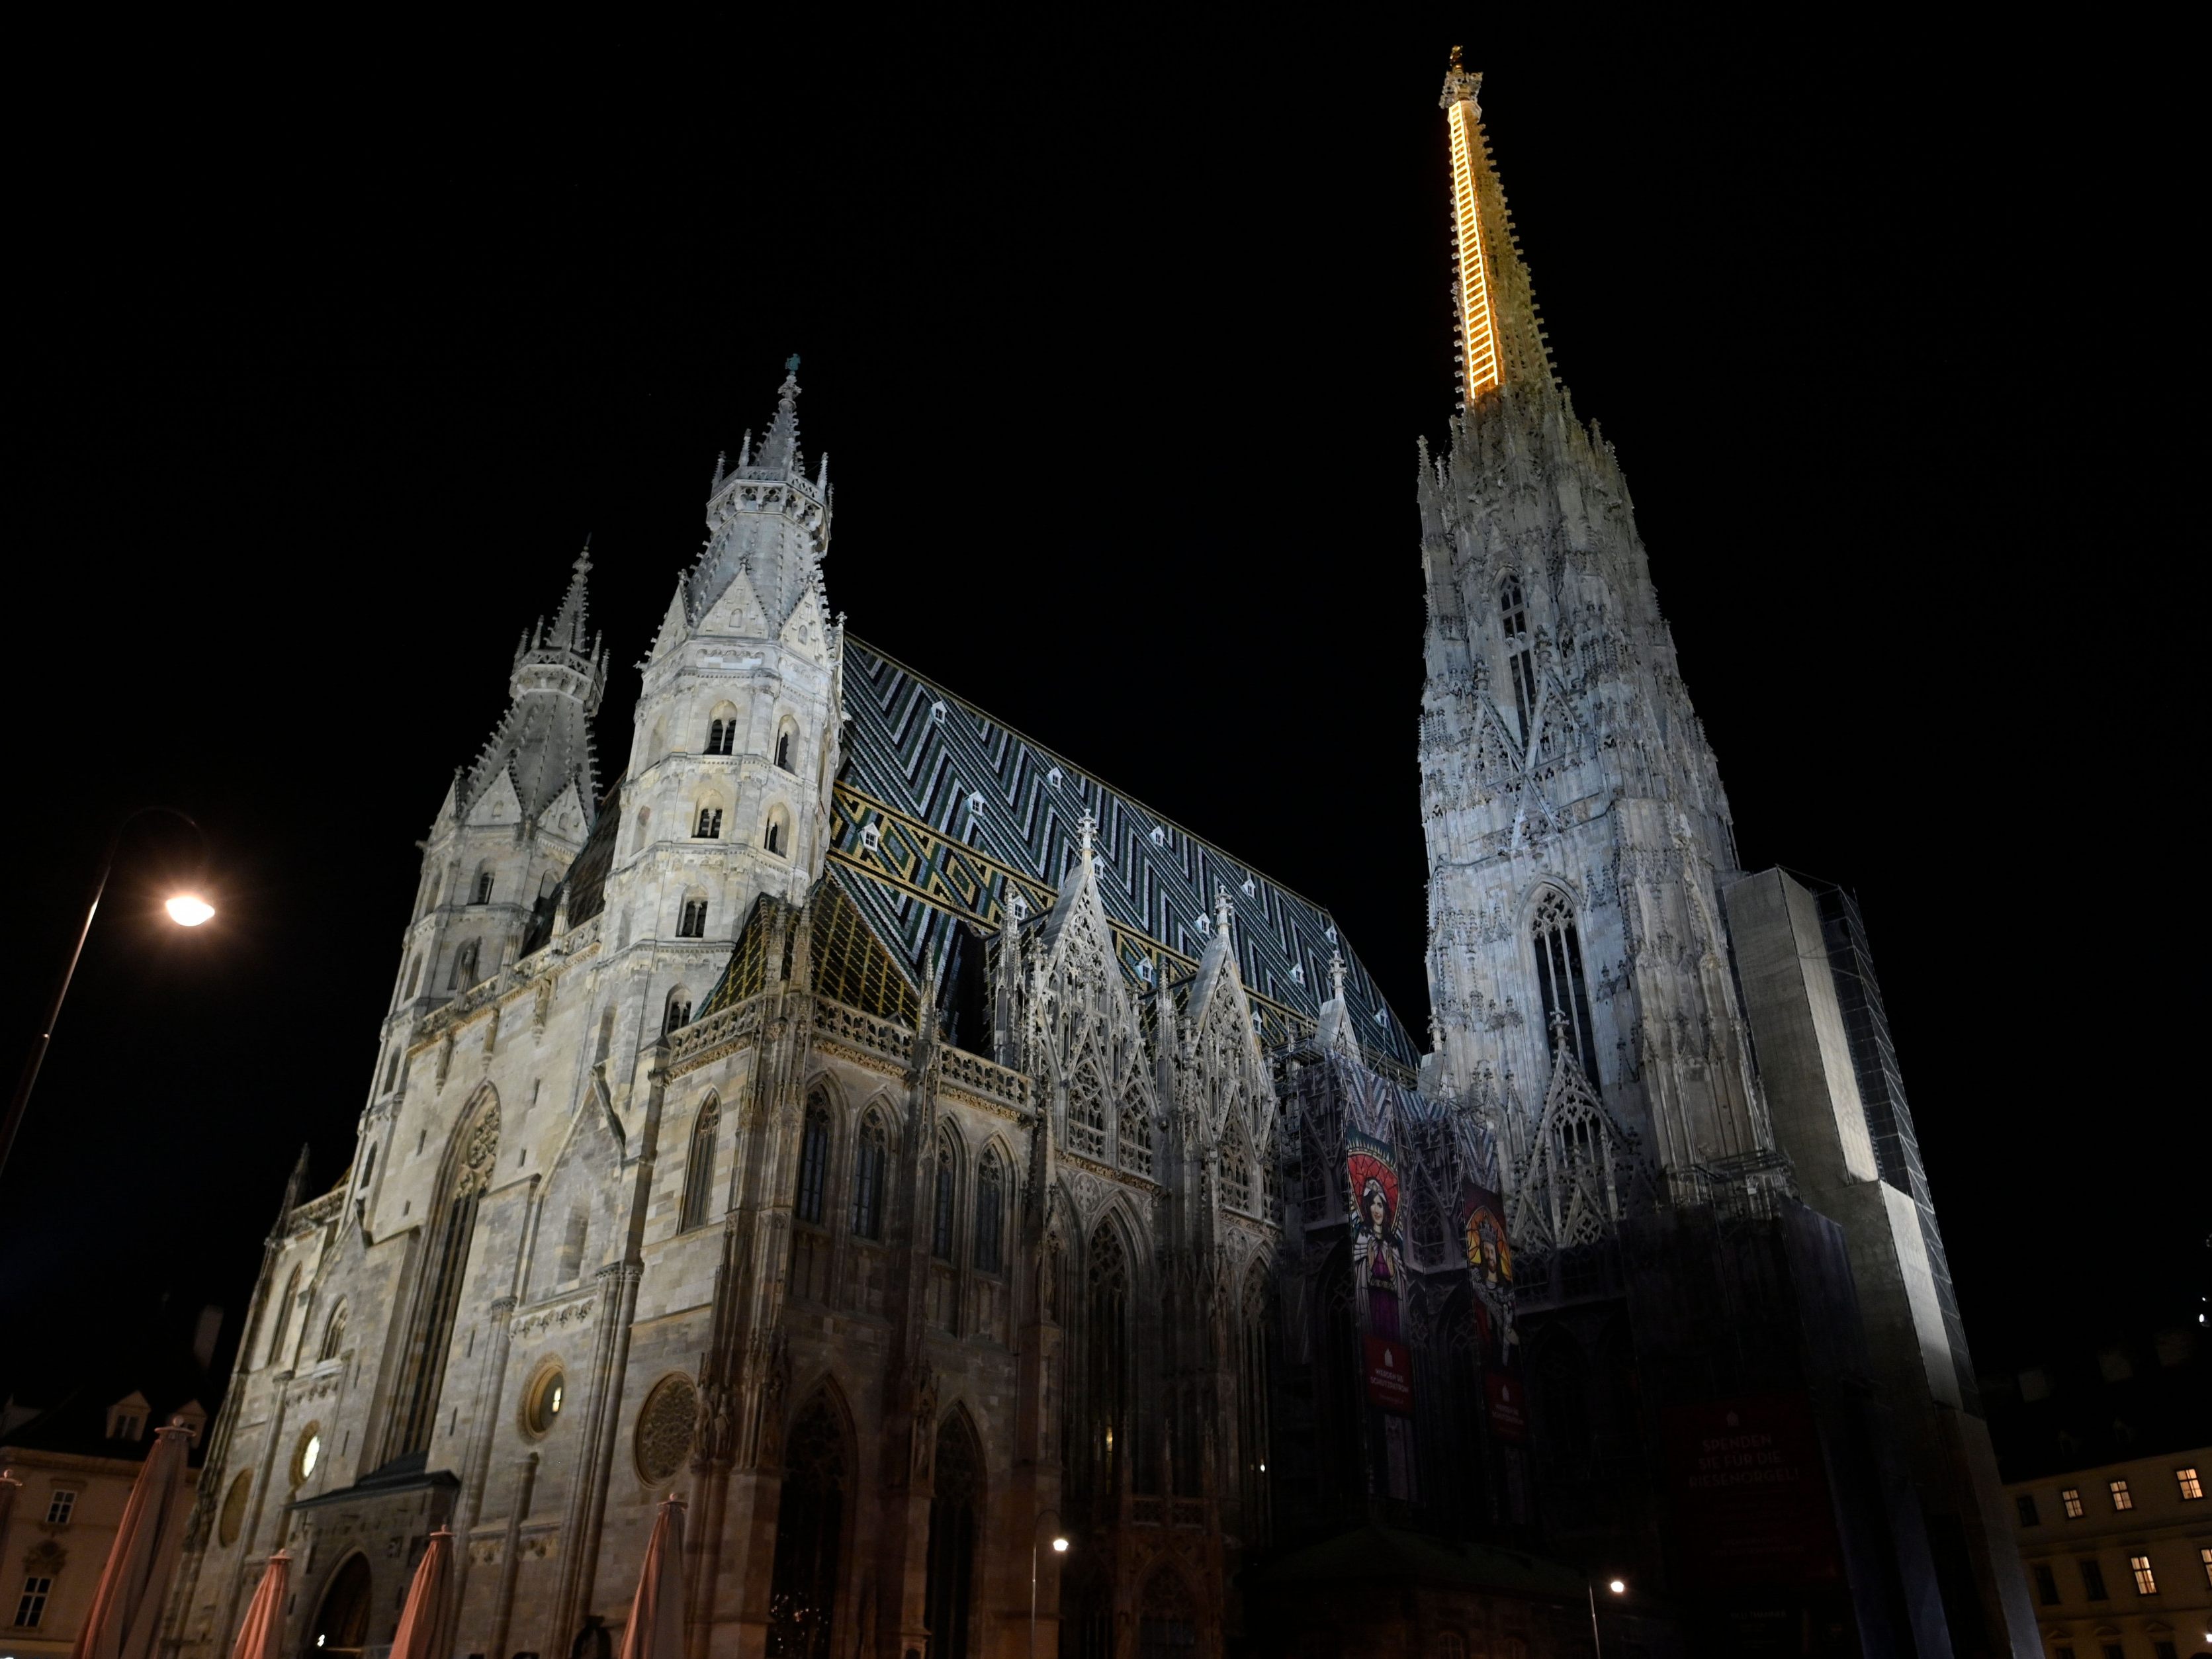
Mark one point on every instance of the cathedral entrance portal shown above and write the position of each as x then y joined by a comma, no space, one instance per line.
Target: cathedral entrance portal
340,1627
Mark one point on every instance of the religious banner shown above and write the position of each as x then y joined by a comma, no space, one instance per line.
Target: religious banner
1482,1225
1378,1267
1389,1375
1509,1416
1751,1493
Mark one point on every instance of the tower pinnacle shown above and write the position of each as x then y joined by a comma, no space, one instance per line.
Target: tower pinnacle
1498,336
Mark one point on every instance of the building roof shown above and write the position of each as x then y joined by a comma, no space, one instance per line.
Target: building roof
967,811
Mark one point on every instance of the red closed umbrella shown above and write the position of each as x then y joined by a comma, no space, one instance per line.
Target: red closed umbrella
426,1623
656,1616
125,1620
262,1635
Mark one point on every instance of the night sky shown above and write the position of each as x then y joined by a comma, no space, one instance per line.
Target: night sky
1120,343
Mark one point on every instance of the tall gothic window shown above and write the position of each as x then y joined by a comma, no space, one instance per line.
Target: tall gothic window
809,1531
483,886
334,1333
436,1297
1252,1403
710,824
699,1167
1135,1132
1106,1370
990,1213
957,1497
868,1179
463,973
721,736
677,1013
1235,1166
278,1331
1513,611
692,924
783,749
1086,1112
772,837
1559,977
813,1163
941,1213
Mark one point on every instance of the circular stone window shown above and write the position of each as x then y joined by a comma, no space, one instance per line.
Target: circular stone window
233,1510
543,1399
663,1429
309,1456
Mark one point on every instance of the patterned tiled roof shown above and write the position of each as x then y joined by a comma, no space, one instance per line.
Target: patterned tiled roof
964,809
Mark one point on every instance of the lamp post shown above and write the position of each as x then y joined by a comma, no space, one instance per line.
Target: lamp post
1613,1586
185,909
1059,1547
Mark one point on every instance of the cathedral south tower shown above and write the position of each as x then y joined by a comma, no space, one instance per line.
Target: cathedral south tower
1577,832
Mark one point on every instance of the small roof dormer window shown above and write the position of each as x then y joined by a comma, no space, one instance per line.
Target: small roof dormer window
126,1418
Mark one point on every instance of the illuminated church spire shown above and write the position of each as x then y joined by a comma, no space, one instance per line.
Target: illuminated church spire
1499,337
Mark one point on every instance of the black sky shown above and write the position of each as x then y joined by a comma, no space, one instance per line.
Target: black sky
1120,340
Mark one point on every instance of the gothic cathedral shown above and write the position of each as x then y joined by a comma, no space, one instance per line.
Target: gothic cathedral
866,1125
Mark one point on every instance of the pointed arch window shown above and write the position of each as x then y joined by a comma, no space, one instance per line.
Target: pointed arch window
463,973
991,1213
1559,977
283,1321
437,1294
942,1212
484,883
1235,1166
677,1013
1513,613
783,740
699,1167
868,1159
692,923
813,1163
334,1333
1134,1137
956,1492
1086,1112
1106,1374
721,734
709,827
810,1524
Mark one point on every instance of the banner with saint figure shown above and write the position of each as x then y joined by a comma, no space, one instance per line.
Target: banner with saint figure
1489,1267
1378,1269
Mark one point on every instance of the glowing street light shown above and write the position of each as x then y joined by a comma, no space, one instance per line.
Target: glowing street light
185,909
1060,1546
1616,1586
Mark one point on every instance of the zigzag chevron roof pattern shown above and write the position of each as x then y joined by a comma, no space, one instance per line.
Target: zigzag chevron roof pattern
942,811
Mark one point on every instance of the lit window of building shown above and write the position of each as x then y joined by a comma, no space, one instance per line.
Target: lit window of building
2071,1497
2189,1485
2121,1497
2146,1580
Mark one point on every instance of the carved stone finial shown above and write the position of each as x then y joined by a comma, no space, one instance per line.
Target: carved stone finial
1086,830
1222,910
1336,975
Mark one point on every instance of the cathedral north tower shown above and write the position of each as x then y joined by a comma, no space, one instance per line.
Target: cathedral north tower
1577,832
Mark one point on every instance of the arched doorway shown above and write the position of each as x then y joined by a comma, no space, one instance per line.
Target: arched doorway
810,1532
1168,1626
954,1507
340,1627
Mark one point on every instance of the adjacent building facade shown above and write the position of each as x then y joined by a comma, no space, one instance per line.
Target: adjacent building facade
857,1118
2120,1557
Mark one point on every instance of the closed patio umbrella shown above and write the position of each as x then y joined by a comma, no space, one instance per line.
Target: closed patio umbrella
125,1620
262,1635
426,1623
656,1616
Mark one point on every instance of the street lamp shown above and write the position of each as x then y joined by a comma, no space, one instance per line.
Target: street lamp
1060,1546
1613,1586
185,909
